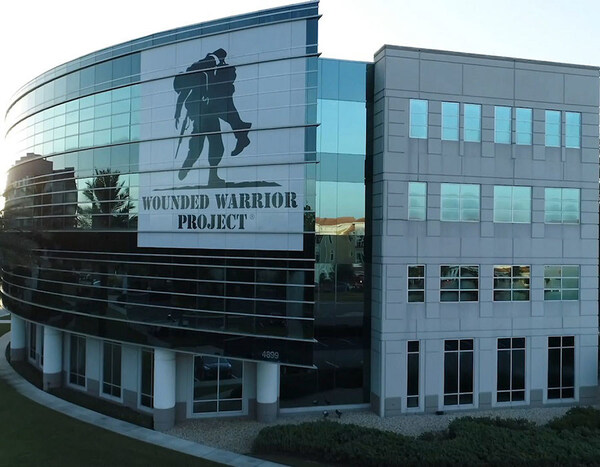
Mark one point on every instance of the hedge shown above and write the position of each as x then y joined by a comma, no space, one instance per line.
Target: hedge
573,439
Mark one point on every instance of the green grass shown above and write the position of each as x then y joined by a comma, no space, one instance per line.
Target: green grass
33,435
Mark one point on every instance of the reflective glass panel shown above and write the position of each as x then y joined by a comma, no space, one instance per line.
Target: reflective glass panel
524,120
502,125
450,114
418,119
562,205
553,128
572,129
417,201
472,123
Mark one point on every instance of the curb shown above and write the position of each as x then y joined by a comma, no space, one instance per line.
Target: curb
23,387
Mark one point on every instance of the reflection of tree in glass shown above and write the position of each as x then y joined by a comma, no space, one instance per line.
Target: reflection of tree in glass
109,199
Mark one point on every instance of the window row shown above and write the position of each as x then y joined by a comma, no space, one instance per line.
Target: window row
217,381
511,283
512,204
504,117
510,370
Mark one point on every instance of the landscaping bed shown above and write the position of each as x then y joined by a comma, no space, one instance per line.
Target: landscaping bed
573,439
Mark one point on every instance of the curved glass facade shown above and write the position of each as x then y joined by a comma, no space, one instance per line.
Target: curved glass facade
85,135
122,252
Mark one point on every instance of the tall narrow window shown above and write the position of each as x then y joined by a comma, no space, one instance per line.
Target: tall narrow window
472,130
511,283
459,202
147,378
561,367
512,204
524,122
417,201
412,374
418,118
111,369
459,283
41,345
450,114
416,283
511,370
573,129
561,282
553,128
77,360
502,125
458,372
32,341
561,206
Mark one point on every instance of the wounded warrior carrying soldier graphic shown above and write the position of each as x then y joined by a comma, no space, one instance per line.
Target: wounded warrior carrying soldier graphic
206,89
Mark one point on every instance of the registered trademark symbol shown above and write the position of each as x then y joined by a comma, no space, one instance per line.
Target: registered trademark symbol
251,216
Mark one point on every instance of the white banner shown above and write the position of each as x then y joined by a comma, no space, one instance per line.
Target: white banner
222,152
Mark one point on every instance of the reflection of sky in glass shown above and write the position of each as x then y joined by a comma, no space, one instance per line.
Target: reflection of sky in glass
340,199
343,126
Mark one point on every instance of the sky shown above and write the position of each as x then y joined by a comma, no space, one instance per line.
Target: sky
37,35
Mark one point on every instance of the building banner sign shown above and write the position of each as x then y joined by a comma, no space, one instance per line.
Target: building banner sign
226,171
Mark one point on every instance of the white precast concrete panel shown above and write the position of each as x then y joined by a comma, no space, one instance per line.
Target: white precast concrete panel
258,201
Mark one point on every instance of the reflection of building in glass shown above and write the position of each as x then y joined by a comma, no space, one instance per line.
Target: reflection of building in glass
377,238
39,197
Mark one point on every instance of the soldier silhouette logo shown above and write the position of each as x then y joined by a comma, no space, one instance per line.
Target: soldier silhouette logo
206,90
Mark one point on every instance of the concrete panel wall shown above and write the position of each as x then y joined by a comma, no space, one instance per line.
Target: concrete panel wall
402,74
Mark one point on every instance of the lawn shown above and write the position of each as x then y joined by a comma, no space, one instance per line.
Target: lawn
33,435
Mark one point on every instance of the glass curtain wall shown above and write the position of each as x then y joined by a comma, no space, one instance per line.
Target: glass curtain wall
75,188
341,351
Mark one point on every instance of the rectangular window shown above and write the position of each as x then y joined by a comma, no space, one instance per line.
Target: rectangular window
524,119
472,130
32,341
459,283
217,384
561,367
512,204
458,372
418,119
511,370
553,128
41,344
511,283
450,114
77,360
459,203
572,129
561,283
561,206
147,378
502,125
111,369
416,283
412,374
417,201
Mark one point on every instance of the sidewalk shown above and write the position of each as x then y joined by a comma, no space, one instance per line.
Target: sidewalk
28,390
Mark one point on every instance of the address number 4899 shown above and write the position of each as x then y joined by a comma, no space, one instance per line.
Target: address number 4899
270,354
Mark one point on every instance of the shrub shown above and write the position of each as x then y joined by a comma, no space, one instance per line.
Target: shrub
468,441
577,417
